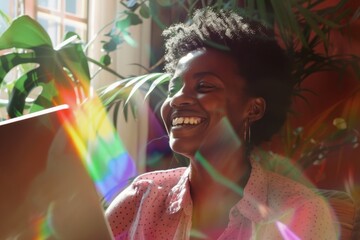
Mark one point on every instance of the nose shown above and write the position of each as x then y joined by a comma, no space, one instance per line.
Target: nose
182,98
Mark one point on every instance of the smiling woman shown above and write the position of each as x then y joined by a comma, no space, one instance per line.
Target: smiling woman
208,92
230,91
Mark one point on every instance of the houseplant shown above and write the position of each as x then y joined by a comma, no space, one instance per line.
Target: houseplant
63,74
62,69
304,28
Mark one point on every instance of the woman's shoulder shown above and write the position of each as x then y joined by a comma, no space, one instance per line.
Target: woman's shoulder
160,178
154,185
284,191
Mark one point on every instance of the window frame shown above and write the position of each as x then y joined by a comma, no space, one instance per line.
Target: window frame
32,9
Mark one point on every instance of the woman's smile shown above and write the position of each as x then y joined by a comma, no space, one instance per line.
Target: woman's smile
201,94
186,124
185,121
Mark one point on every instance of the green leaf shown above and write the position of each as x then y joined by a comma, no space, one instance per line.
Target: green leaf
73,58
11,60
131,4
131,19
250,7
104,67
21,90
142,80
105,59
46,98
123,24
155,15
110,46
308,16
116,113
24,32
262,10
6,18
131,41
4,21
134,18
161,79
133,107
69,35
165,3
125,110
144,11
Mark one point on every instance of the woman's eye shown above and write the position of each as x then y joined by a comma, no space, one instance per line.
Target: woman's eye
205,87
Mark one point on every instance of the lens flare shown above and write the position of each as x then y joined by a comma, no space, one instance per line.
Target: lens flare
218,177
42,226
101,149
285,232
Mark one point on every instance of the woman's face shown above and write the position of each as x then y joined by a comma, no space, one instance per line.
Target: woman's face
205,93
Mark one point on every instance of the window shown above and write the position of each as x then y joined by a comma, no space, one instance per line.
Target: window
60,16
11,8
56,16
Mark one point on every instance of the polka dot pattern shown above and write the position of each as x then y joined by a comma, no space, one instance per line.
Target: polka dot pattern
158,205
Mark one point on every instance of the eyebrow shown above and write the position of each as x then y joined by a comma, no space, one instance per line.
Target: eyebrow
197,75
201,74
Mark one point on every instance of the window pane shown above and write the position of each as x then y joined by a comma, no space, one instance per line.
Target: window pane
77,27
76,7
69,28
53,4
52,26
5,6
9,7
70,6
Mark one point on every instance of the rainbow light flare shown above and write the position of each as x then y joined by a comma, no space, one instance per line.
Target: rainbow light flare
285,232
100,148
42,227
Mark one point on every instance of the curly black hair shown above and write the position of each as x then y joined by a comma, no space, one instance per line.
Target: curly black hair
261,61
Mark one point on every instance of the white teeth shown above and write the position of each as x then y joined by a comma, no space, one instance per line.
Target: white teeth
186,120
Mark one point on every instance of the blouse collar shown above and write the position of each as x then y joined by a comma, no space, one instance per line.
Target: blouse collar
252,206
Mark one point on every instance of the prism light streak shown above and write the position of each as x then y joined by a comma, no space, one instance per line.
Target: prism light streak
42,226
285,232
43,231
101,149
217,176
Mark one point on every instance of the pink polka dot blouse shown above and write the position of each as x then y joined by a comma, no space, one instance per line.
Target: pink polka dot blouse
158,205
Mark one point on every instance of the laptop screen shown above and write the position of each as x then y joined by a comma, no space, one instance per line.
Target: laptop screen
46,191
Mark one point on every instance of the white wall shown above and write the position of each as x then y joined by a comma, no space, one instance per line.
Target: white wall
134,132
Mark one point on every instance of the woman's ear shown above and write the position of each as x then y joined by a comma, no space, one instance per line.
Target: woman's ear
256,109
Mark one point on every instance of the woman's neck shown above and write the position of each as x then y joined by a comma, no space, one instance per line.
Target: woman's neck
216,173
216,185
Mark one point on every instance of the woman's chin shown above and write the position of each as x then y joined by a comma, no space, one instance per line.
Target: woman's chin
183,147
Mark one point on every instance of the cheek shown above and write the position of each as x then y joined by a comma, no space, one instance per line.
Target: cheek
215,104
236,115
165,109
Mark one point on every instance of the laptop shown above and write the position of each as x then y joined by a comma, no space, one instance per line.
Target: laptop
46,192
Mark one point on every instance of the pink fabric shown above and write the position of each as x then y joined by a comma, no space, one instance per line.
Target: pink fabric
157,205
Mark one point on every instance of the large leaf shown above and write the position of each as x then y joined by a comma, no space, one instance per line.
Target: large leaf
63,73
24,32
121,92
21,90
10,60
73,58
